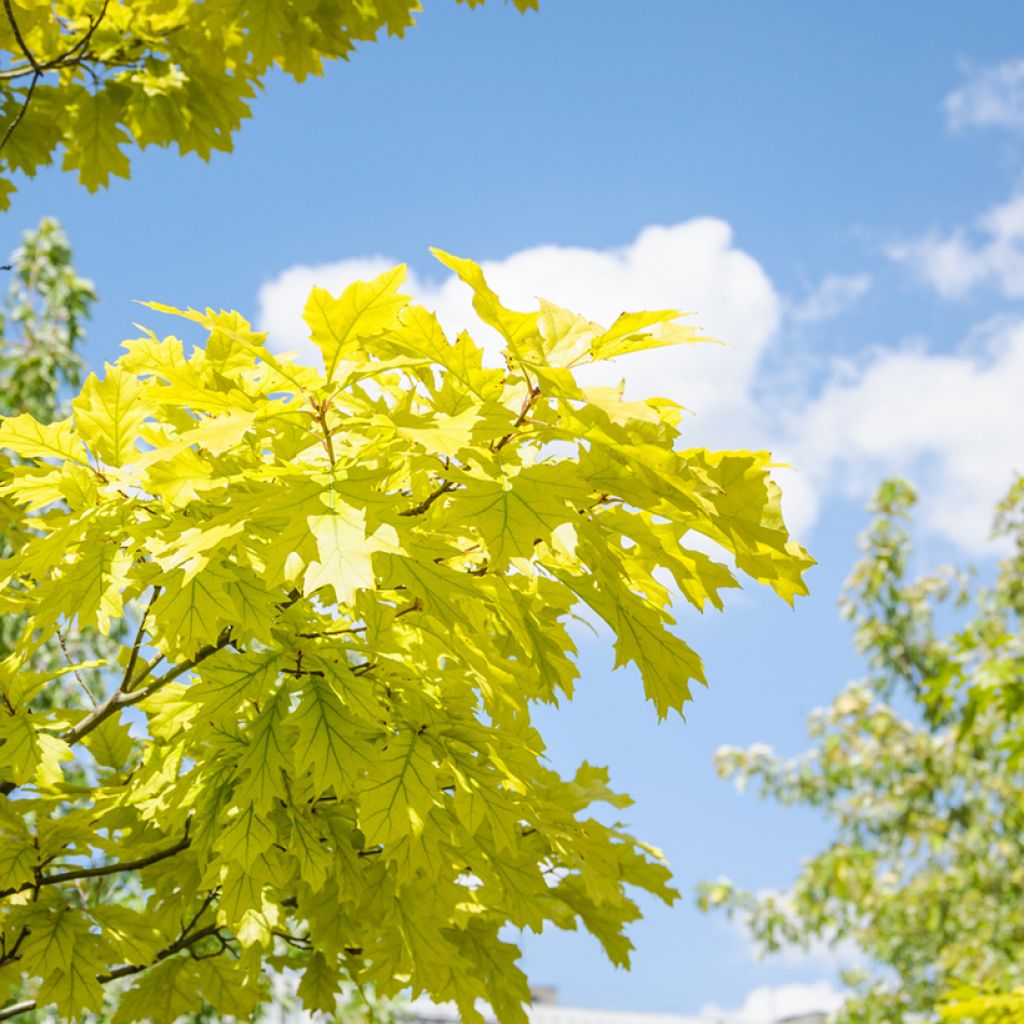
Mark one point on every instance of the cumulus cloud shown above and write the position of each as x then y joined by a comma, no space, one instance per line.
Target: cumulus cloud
952,422
949,421
989,252
991,97
689,266
834,296
769,1004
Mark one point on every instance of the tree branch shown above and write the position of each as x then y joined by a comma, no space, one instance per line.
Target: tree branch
418,510
128,680
121,698
83,42
529,399
20,39
103,869
21,113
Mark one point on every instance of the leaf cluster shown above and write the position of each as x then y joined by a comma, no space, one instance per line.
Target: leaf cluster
347,586
92,77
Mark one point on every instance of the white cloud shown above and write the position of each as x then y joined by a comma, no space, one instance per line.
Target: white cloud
833,297
689,266
990,252
992,97
952,422
769,1004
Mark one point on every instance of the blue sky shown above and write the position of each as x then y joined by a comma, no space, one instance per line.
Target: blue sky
839,195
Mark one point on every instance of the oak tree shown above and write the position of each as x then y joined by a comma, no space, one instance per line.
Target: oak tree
348,585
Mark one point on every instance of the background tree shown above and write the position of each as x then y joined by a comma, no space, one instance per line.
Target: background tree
918,769
42,324
355,581
93,76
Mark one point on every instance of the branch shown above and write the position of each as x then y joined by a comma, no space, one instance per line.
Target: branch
21,113
121,698
84,41
104,869
530,398
320,408
418,510
21,42
126,682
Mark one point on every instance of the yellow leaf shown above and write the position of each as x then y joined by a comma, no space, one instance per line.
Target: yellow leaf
339,326
94,149
109,413
345,561
29,438
399,792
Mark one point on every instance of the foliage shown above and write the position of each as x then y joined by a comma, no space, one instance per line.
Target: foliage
317,750
93,76
924,874
41,323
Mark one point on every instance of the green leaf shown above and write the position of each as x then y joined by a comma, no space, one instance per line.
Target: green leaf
366,308
399,791
318,988
94,147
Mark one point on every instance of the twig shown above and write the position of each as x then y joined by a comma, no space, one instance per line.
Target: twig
74,671
128,680
418,510
181,943
103,869
18,36
321,414
17,120
84,41
120,698
531,396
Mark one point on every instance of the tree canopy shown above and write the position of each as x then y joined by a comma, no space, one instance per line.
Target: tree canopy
918,769
91,77
346,585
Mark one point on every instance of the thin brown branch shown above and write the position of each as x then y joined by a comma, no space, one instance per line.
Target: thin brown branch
84,41
20,39
100,870
183,942
128,680
21,112
320,408
418,510
119,698
210,897
74,671
529,400
416,606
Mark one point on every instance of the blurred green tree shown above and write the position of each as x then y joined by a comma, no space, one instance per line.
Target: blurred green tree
918,769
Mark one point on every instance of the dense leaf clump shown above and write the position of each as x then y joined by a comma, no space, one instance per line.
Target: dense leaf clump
346,585
93,76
